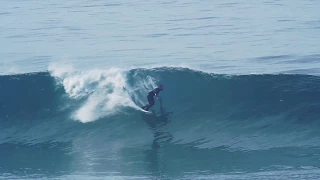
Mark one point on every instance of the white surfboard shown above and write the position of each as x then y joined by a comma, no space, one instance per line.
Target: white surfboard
148,112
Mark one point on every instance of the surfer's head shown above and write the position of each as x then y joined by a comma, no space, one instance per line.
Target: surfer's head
161,87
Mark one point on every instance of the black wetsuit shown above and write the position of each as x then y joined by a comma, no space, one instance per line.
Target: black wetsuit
152,93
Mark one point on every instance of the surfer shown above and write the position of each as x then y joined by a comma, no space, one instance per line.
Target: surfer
152,93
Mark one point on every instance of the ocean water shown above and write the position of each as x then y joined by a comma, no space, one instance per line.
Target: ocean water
241,98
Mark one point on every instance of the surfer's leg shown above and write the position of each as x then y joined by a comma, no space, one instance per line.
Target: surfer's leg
151,103
146,107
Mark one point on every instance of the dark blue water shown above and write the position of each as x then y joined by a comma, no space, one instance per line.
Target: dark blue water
207,126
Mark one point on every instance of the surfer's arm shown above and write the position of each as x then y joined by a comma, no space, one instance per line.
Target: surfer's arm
158,97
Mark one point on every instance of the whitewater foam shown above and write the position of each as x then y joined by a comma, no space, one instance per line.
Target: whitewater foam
102,90
105,92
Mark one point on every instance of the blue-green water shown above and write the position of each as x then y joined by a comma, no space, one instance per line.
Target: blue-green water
241,98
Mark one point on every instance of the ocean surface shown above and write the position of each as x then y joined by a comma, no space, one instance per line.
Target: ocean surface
241,96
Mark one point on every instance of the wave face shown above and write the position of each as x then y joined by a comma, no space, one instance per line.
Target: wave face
94,117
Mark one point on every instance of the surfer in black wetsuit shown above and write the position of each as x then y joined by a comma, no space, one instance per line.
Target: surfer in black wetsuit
152,93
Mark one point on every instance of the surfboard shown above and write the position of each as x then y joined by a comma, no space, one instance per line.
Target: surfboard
148,112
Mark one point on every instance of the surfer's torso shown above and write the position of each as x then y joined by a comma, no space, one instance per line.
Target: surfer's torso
154,92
